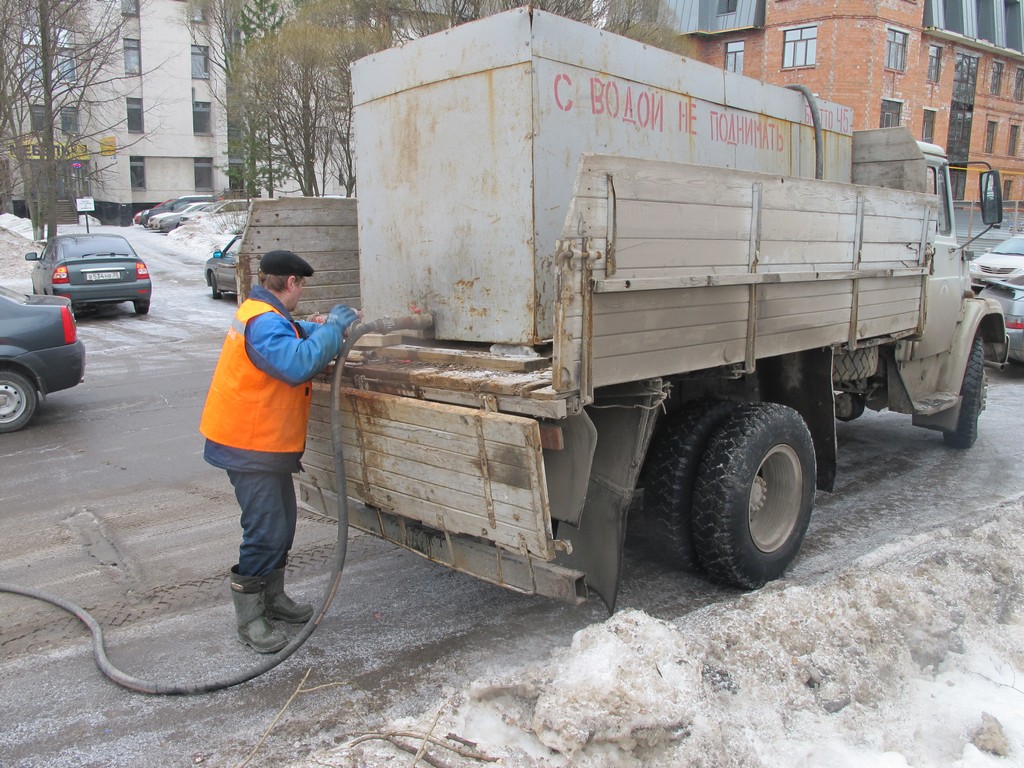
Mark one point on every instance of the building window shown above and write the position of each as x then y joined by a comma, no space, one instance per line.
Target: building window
130,7
137,171
996,84
1013,140
890,113
1018,86
132,57
204,172
135,123
896,50
928,126
726,6
200,62
990,136
799,47
201,117
1007,189
69,119
67,68
965,78
734,56
934,63
37,118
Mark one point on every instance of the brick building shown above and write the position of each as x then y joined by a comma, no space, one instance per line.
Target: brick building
952,71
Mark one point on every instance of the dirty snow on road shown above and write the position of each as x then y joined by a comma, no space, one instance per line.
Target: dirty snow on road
911,655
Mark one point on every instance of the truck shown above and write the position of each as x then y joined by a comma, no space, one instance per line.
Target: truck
654,287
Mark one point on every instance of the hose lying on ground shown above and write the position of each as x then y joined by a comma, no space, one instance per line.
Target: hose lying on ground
184,688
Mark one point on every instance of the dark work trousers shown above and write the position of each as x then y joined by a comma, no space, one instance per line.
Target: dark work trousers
268,507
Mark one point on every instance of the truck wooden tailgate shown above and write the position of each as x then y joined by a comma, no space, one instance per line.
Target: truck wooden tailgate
463,471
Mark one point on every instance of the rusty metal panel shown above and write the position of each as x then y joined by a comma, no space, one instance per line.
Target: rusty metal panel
467,145
459,470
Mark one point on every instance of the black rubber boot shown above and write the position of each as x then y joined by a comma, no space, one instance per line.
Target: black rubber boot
279,605
254,630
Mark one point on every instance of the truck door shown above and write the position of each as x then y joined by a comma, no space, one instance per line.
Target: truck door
947,281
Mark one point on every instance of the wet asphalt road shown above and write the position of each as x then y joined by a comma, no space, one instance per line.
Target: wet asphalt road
105,500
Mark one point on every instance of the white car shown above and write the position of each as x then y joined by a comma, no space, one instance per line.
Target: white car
1003,262
224,212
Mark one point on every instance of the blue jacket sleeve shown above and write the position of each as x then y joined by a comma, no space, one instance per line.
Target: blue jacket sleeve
274,348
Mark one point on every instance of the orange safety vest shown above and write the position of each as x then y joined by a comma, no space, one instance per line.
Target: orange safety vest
245,407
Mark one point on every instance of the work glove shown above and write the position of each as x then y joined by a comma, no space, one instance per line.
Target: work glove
342,315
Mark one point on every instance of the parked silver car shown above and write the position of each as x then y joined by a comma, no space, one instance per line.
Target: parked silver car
1003,262
1010,295
165,222
221,269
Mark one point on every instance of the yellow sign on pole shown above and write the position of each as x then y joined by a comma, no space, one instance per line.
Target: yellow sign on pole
108,146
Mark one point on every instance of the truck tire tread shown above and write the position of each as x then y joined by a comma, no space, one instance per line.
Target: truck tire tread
722,496
972,399
669,477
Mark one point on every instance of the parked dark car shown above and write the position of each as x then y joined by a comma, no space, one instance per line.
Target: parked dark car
142,216
174,205
92,270
221,269
40,353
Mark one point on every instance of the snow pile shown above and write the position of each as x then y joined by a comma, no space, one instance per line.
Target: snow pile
911,657
15,242
203,236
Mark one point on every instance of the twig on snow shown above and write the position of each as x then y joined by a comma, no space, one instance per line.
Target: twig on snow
280,714
470,754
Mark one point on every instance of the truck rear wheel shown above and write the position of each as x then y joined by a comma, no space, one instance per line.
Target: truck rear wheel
753,496
972,399
670,473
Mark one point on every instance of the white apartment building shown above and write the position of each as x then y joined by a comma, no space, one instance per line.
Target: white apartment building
173,140
157,128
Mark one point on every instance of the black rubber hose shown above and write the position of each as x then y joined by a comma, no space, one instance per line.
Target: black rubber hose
385,325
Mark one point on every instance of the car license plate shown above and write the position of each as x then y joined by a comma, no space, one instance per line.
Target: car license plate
102,275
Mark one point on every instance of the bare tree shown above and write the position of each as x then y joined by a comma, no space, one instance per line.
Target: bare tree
60,60
296,85
294,80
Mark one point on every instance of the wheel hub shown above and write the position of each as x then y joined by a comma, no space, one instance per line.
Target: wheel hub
10,403
774,502
758,493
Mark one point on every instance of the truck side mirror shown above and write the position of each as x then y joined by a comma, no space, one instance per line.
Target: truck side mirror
991,196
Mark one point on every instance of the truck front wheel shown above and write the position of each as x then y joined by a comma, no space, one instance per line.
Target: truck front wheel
972,399
753,495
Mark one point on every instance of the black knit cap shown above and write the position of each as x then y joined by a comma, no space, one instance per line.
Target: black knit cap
285,263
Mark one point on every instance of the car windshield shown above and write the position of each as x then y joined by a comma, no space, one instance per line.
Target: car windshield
1013,246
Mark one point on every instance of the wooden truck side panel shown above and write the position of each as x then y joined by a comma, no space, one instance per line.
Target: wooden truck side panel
667,268
321,229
